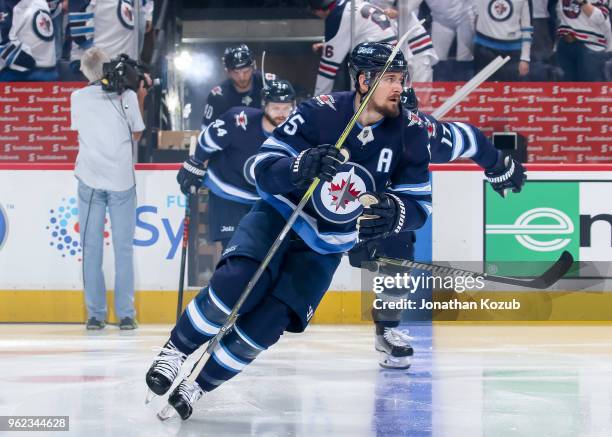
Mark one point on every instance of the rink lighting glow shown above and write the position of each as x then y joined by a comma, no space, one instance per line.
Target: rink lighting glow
195,66
183,61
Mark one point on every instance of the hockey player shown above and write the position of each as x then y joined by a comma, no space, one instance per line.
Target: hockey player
503,27
584,36
242,88
371,24
448,142
387,158
230,145
27,47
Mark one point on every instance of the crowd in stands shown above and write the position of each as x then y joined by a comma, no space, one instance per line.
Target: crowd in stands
547,40
43,40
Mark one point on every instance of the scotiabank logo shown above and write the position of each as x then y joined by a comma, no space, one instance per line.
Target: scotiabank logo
3,227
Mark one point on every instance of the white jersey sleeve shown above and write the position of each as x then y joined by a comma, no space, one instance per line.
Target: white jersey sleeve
527,32
419,49
336,47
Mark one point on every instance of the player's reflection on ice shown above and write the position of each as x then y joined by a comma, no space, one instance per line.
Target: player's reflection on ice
402,401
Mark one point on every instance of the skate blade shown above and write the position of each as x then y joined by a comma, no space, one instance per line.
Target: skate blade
150,397
166,413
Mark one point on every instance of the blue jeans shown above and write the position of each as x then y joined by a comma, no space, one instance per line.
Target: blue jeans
579,63
92,211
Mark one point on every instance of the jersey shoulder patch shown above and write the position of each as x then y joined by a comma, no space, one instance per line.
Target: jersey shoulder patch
326,100
217,91
43,25
270,76
241,120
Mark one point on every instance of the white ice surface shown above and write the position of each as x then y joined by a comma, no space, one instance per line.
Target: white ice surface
465,381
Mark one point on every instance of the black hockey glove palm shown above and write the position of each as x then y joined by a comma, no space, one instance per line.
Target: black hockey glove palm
506,174
190,176
321,161
383,214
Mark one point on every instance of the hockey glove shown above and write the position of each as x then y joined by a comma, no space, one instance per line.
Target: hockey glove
506,174
190,176
362,256
383,214
321,161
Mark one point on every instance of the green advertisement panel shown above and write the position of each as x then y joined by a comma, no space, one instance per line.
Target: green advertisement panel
527,230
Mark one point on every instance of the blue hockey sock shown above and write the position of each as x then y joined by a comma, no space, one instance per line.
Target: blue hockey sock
253,333
200,321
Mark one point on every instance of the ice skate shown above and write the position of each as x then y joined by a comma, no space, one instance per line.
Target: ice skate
164,370
393,345
181,401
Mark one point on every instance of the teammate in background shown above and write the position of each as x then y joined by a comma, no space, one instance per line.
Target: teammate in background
503,27
382,157
584,36
371,24
448,141
242,88
230,145
27,47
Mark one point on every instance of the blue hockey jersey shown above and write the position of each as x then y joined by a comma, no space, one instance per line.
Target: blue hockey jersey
389,156
230,145
224,96
451,140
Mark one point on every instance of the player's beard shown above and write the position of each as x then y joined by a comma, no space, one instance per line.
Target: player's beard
389,109
274,121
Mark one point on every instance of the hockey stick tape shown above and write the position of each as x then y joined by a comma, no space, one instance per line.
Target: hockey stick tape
367,200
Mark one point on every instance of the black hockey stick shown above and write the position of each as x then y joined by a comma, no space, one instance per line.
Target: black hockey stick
181,287
545,280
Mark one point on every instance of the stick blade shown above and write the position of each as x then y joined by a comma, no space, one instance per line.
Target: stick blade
554,272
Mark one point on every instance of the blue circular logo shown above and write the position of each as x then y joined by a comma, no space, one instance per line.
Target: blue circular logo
248,170
3,227
337,201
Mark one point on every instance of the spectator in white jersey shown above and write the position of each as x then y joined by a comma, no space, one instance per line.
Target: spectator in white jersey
372,24
27,47
109,25
452,20
583,38
503,27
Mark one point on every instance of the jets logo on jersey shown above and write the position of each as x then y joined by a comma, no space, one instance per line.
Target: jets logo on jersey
414,119
324,100
241,120
431,128
3,16
571,9
337,201
248,170
125,11
43,25
500,10
217,91
246,100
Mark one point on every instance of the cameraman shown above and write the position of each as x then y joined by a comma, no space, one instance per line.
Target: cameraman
109,125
